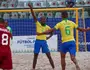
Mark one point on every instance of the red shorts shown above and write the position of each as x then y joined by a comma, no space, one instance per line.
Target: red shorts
5,58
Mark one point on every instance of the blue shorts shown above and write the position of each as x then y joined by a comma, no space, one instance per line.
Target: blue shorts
41,44
68,47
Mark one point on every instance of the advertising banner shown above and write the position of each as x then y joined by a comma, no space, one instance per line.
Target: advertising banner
25,44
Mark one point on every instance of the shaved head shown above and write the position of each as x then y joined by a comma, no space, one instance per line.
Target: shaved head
43,20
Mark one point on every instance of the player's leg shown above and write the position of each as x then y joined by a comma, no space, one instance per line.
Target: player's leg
63,63
6,69
45,50
35,60
63,50
72,51
75,61
36,52
50,59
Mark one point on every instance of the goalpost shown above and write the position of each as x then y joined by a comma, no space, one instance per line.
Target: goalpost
78,20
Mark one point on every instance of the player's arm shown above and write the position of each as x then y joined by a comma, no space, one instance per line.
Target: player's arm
47,32
50,30
32,12
83,29
51,34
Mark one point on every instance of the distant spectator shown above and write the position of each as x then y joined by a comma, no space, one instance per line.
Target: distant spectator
70,3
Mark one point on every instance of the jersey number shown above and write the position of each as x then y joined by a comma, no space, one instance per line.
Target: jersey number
67,30
4,39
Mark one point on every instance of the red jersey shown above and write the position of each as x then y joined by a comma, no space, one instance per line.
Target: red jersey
5,51
5,36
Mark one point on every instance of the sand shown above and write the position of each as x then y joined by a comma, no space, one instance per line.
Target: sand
24,61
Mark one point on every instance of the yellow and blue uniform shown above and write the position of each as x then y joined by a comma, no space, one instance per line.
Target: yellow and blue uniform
66,28
40,29
41,39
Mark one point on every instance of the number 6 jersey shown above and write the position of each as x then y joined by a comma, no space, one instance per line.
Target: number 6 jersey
67,30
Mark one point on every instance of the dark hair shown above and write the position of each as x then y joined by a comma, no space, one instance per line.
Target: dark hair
64,14
2,20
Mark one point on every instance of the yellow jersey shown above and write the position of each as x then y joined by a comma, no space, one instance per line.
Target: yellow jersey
40,29
66,28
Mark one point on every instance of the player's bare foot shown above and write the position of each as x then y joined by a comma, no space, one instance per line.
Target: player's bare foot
77,68
53,68
32,69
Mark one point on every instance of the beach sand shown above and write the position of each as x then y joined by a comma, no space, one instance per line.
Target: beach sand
22,61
